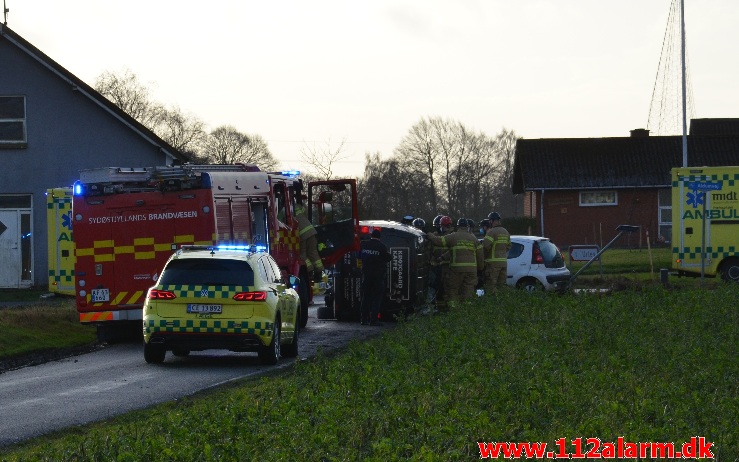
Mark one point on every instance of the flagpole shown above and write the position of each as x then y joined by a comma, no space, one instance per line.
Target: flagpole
685,120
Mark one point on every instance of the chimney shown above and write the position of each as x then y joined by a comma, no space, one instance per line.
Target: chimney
639,133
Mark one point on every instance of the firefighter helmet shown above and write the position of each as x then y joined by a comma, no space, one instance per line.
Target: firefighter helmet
462,223
419,223
445,221
492,216
407,220
436,220
486,223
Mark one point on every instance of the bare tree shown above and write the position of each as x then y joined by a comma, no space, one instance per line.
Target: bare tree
322,160
419,156
226,145
182,131
130,95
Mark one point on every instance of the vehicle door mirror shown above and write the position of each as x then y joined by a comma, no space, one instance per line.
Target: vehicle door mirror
294,282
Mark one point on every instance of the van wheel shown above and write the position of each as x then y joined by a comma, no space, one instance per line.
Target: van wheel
269,354
325,312
530,285
730,270
154,354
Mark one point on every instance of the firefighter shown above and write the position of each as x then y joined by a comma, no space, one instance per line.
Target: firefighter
419,223
495,245
308,242
465,261
407,220
374,255
439,263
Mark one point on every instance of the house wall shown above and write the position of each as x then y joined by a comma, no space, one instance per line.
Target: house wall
66,132
567,223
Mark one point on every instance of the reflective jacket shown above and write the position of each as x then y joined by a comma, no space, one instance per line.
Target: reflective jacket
305,227
465,252
496,244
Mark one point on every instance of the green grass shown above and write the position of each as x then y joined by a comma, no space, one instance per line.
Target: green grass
22,295
42,326
648,365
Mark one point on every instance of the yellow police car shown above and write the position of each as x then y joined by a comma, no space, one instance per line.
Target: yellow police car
231,298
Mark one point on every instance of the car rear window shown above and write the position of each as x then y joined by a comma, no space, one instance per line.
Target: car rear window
515,251
207,272
552,256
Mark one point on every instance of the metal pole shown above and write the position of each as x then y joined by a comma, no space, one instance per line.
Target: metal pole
685,119
622,229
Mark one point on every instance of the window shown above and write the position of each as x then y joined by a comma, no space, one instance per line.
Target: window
596,198
12,121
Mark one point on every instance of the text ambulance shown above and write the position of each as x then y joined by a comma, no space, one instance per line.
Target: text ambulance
705,221
128,221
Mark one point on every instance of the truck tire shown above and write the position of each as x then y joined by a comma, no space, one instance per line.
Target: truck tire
269,354
730,270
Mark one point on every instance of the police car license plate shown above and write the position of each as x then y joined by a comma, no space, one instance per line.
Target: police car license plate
100,295
193,308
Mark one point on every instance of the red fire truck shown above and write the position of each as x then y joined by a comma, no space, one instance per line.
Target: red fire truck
128,221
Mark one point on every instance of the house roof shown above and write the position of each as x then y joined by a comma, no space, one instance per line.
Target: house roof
628,162
25,46
714,127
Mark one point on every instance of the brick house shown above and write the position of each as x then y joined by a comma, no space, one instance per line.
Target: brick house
580,189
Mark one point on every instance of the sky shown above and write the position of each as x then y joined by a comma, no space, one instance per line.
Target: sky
311,74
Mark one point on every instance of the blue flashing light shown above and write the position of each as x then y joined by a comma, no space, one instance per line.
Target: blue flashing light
233,247
260,248
291,173
77,188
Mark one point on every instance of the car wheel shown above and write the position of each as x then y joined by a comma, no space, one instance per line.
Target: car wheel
180,352
154,354
304,295
269,354
291,350
530,285
730,270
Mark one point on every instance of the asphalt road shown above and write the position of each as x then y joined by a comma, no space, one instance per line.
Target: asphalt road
77,390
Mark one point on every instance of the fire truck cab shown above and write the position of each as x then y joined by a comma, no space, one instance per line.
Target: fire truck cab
128,221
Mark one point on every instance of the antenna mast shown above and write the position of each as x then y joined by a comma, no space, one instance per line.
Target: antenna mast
5,13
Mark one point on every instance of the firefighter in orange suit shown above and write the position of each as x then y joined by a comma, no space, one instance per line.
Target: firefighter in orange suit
465,261
308,242
495,246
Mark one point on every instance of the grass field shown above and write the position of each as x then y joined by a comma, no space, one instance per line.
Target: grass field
646,364
42,326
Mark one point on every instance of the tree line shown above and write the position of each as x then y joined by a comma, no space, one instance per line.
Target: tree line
439,167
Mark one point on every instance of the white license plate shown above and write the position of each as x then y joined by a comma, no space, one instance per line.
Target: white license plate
100,295
192,308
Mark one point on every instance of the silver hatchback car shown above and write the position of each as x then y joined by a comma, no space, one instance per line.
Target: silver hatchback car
535,263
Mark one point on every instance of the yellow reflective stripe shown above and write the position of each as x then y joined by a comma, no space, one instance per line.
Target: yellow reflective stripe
135,297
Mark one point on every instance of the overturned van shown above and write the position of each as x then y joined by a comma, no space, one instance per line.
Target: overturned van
407,274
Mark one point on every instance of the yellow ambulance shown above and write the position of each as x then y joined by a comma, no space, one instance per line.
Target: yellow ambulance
60,240
705,222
